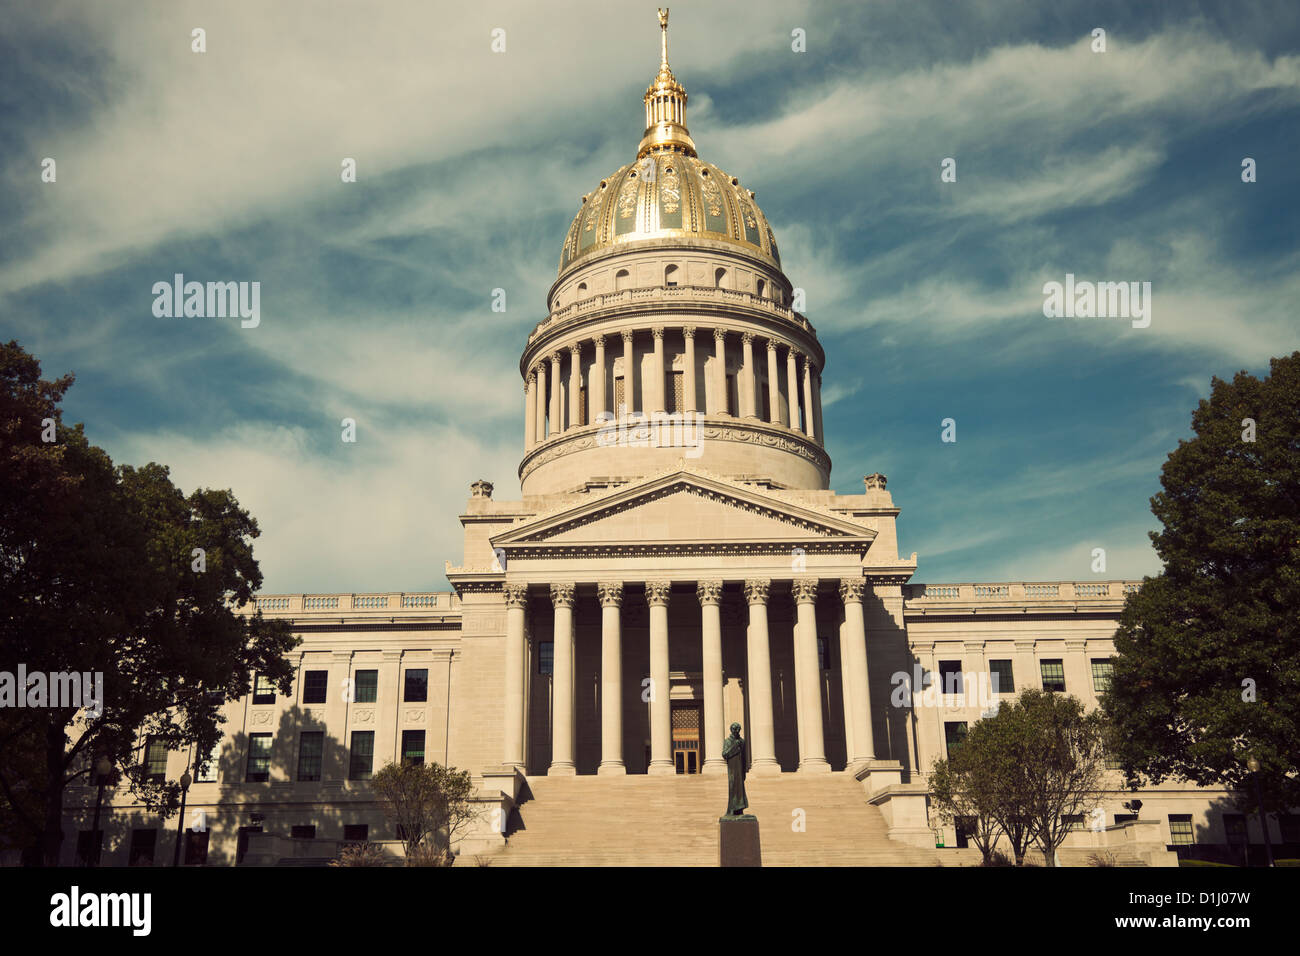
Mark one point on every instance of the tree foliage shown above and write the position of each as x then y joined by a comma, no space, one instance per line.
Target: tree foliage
100,572
426,802
1207,672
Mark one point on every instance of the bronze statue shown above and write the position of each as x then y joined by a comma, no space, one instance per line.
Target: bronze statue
733,751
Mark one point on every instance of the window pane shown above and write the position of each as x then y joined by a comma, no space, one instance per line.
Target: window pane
417,686
155,760
356,832
413,746
954,732
367,687
1053,675
209,772
313,686
363,755
950,677
1180,829
545,657
311,745
263,691
143,843
1101,674
1001,677
259,758
1234,826
196,847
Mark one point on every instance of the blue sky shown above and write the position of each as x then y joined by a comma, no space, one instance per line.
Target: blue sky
376,296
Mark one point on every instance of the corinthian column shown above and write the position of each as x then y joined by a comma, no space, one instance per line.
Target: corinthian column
792,386
661,723
720,373
530,411
855,633
817,407
807,679
596,387
541,402
688,370
557,423
611,678
655,399
749,387
516,602
710,595
562,737
575,385
773,385
808,428
629,374
762,736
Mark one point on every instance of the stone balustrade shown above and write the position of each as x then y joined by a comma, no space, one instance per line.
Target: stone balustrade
1102,592
392,602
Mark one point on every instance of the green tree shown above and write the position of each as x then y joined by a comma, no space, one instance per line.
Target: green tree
987,759
958,795
426,802
113,570
1207,672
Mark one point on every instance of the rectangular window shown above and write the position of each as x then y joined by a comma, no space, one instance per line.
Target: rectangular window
304,831
676,394
954,732
207,772
259,758
545,657
1073,821
362,760
241,844
733,397
1234,828
583,413
1102,670
823,655
1290,825
1001,677
356,832
196,848
1113,763
620,397
1053,675
367,687
313,686
143,844
950,677
413,747
964,827
1125,818
417,686
155,760
311,746
1180,829
263,690
90,844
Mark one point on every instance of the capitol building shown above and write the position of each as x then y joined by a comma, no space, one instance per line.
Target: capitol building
676,561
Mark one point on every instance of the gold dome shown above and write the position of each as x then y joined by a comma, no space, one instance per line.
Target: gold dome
669,192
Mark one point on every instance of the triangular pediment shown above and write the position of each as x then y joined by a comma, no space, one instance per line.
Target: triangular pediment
685,509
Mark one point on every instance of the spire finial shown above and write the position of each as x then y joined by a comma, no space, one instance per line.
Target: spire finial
663,29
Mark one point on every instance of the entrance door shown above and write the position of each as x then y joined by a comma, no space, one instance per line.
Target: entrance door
686,736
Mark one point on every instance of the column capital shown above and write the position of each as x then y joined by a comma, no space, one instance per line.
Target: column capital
852,589
719,335
657,592
516,595
532,372
795,355
555,358
598,340
807,363
771,346
756,590
627,336
575,348
747,337
610,593
709,592
805,590
562,594
657,331
688,331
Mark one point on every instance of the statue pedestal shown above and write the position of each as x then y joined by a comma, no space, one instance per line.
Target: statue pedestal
738,843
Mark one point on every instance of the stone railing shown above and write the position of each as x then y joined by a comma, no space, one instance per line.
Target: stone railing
669,294
390,602
1048,591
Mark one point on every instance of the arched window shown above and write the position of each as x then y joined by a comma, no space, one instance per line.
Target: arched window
719,278
621,280
762,287
670,276
582,291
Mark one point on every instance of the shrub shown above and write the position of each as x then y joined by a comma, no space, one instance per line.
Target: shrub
361,854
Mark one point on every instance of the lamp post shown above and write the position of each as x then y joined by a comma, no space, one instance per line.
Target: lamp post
1252,764
186,780
103,767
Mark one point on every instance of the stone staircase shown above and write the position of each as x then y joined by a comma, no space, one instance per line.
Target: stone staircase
640,820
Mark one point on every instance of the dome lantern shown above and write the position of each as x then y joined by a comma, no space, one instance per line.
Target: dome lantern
665,107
